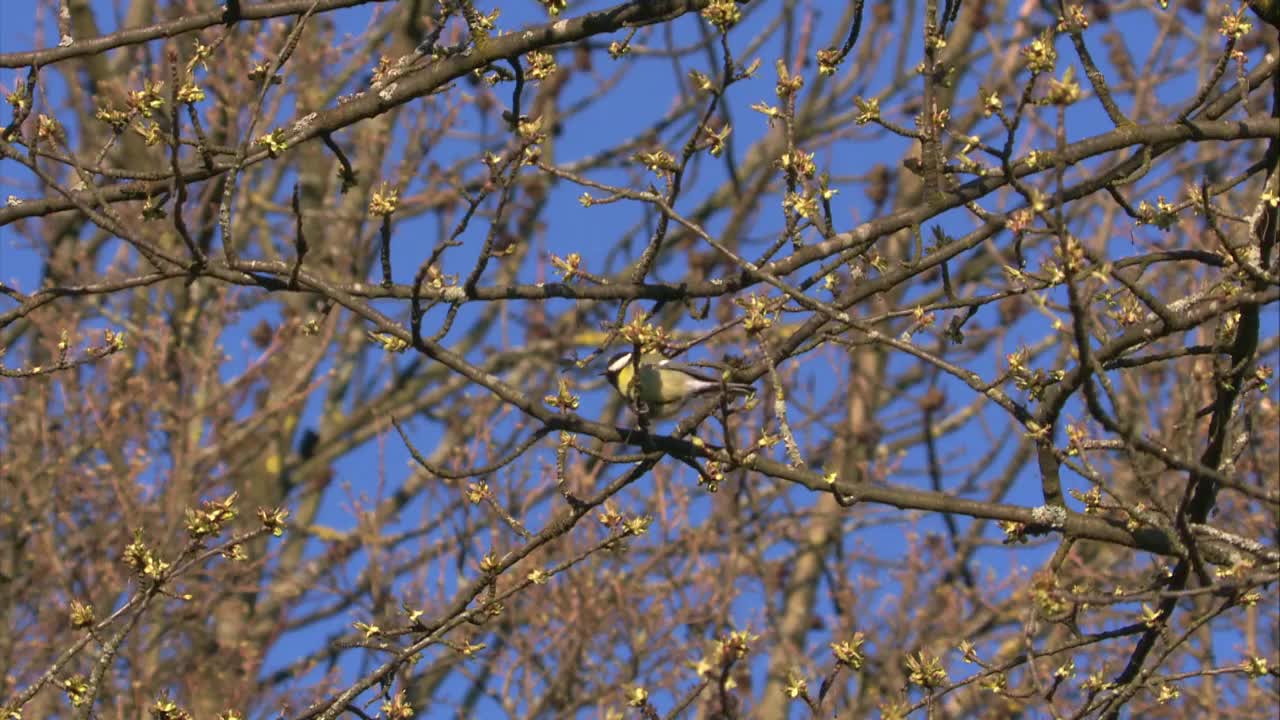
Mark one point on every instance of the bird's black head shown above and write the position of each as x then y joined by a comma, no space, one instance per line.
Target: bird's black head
615,367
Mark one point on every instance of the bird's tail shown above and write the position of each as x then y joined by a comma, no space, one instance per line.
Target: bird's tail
736,389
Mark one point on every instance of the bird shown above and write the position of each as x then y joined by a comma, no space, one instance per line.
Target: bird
659,388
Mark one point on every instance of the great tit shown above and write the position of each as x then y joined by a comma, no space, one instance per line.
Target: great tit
659,387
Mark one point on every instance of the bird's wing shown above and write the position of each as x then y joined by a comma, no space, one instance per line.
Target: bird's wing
699,371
